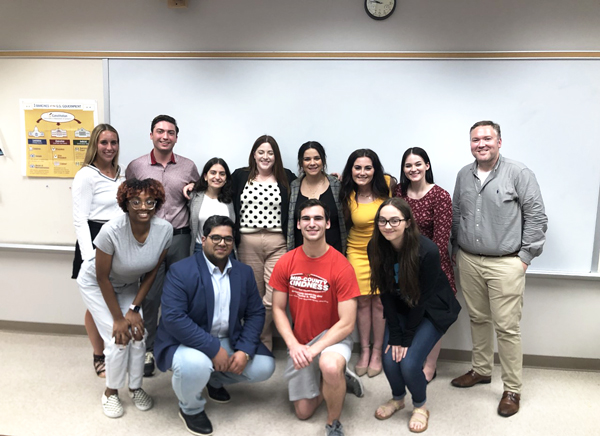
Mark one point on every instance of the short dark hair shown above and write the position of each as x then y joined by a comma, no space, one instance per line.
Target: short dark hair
495,126
130,188
216,221
310,203
166,118
316,146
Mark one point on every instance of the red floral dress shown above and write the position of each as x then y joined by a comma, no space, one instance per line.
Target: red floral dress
433,214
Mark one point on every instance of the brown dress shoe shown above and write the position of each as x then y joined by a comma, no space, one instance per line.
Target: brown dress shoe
509,404
470,379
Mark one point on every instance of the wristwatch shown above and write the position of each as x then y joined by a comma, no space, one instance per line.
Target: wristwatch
134,308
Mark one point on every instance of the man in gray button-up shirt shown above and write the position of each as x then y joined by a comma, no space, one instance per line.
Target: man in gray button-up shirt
498,227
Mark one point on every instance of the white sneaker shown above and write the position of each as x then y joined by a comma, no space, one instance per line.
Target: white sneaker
112,406
141,399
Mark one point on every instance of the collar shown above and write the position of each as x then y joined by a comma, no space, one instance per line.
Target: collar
153,159
212,269
475,166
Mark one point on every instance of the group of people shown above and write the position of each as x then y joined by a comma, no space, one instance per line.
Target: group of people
224,256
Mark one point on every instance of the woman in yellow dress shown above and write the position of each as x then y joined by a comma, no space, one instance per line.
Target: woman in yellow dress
364,187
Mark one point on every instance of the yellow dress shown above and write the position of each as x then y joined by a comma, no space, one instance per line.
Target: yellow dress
363,221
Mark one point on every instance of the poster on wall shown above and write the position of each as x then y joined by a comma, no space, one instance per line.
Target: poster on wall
56,135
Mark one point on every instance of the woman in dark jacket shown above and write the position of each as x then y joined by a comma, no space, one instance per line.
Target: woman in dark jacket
261,203
418,304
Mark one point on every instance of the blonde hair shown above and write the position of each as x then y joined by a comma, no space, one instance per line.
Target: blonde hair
92,150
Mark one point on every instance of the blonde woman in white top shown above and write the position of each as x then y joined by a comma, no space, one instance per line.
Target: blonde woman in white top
94,203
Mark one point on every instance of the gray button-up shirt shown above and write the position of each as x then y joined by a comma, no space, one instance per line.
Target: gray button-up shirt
503,215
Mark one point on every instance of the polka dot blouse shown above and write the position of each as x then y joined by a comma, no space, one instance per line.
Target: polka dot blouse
260,207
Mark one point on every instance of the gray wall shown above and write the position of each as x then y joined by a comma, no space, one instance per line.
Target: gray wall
307,25
559,315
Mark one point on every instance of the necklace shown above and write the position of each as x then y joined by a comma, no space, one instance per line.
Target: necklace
312,193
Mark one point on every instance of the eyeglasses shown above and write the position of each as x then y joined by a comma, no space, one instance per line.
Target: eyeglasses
218,238
393,222
137,204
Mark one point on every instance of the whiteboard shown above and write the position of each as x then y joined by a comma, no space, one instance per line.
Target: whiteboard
548,111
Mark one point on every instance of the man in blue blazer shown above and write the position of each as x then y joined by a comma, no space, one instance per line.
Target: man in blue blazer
212,318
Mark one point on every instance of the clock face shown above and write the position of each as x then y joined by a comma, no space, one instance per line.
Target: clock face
380,9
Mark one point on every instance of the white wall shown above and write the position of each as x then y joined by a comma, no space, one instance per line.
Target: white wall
560,316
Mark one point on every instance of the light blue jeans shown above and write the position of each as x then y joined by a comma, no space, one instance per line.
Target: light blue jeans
193,370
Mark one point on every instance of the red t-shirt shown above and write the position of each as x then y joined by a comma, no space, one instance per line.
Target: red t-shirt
314,286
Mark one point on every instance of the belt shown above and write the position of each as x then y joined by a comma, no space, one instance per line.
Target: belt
515,254
182,231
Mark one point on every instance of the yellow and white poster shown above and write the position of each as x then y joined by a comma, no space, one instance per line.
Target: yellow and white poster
56,136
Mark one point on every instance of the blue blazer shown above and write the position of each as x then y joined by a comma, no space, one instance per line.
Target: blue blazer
188,303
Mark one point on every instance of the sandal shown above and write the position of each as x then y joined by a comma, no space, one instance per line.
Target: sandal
420,416
389,408
100,366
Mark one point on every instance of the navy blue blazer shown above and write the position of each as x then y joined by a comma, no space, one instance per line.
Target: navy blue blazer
188,303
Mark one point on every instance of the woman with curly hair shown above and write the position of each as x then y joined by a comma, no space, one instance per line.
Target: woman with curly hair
418,303
127,247
364,187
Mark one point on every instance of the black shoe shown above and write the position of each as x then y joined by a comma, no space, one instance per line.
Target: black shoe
197,424
218,395
149,364
434,376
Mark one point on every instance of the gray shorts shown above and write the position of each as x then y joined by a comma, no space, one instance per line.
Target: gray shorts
305,383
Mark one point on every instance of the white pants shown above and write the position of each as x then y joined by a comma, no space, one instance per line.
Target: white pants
119,359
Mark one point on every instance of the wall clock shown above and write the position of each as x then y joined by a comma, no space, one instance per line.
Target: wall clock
380,9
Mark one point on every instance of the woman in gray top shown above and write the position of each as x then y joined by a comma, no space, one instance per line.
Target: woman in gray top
314,182
211,195
127,247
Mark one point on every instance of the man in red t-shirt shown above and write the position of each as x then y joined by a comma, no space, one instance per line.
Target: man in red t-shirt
321,287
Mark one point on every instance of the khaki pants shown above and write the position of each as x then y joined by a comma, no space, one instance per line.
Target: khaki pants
262,250
493,289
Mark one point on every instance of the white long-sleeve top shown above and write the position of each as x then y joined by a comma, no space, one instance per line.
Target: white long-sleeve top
95,199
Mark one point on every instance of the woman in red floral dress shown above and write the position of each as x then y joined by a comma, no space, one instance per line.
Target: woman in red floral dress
432,210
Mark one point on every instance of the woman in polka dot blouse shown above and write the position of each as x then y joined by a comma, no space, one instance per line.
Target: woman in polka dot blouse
261,202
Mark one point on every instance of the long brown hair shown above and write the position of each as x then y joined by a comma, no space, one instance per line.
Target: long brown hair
349,188
383,257
92,150
278,170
